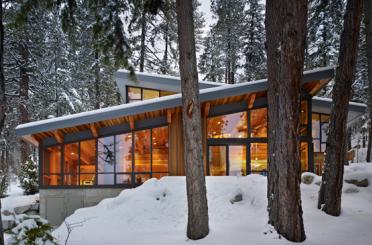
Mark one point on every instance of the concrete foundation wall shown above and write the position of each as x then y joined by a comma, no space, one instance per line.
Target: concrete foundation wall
57,204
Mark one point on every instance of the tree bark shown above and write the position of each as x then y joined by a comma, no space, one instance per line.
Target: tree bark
143,40
23,98
197,225
2,99
368,24
331,187
285,32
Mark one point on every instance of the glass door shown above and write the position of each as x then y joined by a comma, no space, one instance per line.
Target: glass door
227,160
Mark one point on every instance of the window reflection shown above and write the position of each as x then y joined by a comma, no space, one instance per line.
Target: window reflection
237,160
106,179
134,93
52,159
217,160
228,126
259,122
259,157
142,158
150,94
106,154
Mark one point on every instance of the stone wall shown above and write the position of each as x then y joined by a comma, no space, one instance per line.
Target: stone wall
58,204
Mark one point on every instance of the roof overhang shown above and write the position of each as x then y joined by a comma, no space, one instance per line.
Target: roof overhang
166,102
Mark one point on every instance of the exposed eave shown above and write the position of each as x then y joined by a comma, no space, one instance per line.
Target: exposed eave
166,102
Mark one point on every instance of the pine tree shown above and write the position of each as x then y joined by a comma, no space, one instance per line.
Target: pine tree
28,177
254,42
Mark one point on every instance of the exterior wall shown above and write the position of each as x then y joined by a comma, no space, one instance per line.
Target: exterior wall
176,160
57,204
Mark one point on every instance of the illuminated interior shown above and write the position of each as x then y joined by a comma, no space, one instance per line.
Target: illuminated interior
137,94
228,126
109,159
304,156
52,166
258,157
303,117
217,160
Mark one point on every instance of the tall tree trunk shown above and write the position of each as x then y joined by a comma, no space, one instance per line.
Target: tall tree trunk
2,99
97,81
285,32
332,179
143,41
368,24
164,68
23,98
197,225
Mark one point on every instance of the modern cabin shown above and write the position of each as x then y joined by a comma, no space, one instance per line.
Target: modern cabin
89,156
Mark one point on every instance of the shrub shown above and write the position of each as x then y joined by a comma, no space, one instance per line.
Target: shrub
32,229
28,177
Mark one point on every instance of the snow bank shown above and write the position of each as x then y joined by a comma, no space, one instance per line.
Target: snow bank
156,213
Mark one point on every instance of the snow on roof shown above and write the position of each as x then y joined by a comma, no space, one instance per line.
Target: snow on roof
165,102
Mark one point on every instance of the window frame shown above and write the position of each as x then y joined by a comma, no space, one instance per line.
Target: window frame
127,100
96,185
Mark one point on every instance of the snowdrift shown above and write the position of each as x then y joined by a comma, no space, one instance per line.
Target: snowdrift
156,213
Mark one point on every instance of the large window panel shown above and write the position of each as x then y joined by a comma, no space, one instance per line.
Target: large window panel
106,157
160,149
259,122
71,156
315,126
237,160
106,179
52,160
142,152
134,93
228,126
123,152
149,94
304,154
217,160
87,162
259,157
51,179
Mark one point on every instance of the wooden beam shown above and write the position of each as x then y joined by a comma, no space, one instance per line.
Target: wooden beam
94,129
131,123
58,136
251,100
169,116
206,108
31,139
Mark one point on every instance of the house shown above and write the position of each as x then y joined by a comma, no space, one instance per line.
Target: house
89,156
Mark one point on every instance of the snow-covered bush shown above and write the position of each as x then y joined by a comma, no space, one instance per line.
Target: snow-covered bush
4,183
28,177
32,229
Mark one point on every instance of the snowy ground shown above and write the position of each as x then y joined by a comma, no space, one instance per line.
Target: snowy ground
15,197
155,213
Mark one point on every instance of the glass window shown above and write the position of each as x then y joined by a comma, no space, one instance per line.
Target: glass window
52,159
237,160
134,93
319,160
217,160
123,152
142,154
160,149
123,179
259,122
165,93
88,156
51,179
87,179
71,155
304,154
106,179
228,126
315,126
324,127
149,94
70,179
258,157
106,154
316,145
324,118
